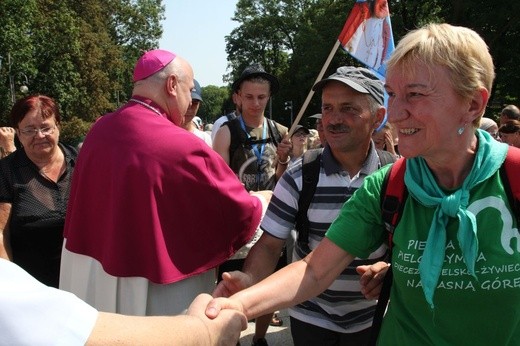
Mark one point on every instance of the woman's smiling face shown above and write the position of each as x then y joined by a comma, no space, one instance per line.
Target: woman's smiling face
425,109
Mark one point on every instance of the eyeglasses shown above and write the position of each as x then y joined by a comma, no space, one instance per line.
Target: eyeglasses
44,131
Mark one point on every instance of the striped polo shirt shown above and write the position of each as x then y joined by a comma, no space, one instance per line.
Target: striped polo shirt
342,307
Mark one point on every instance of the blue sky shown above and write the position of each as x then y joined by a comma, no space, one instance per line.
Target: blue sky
195,30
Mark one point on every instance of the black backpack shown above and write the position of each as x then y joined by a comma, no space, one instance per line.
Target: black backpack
311,164
240,139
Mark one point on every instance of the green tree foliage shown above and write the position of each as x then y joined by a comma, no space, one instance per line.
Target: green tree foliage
496,22
292,39
264,37
81,53
15,64
135,27
213,104
73,131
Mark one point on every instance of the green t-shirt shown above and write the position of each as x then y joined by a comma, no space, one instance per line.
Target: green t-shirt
468,311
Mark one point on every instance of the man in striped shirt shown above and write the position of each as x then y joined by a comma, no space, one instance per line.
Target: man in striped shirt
352,108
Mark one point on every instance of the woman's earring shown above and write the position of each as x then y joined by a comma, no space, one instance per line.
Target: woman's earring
461,129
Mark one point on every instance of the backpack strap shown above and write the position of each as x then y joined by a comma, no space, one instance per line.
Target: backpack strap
394,193
393,196
392,201
239,137
236,134
311,164
274,133
231,116
510,173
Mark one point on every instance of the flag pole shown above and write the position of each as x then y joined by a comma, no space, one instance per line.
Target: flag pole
311,93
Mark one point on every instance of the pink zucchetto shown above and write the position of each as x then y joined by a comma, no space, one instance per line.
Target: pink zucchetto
151,62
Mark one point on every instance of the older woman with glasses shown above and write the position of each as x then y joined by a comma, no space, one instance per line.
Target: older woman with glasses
34,190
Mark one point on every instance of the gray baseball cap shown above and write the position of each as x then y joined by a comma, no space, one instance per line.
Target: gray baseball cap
359,79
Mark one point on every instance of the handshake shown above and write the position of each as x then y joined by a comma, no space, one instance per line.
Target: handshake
238,291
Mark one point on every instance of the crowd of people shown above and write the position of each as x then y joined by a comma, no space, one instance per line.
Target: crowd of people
162,231
455,250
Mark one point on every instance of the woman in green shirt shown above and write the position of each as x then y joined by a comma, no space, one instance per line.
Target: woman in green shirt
456,252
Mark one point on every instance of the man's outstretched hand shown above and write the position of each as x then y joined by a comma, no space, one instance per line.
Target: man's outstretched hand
232,282
371,280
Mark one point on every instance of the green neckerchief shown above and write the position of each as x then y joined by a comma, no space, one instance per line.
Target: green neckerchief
422,187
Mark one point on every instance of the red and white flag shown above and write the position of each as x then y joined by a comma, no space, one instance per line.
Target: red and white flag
367,34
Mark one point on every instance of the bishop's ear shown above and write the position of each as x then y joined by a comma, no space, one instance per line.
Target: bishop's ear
171,84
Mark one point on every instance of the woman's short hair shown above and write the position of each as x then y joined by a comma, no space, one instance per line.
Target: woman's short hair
461,50
44,105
